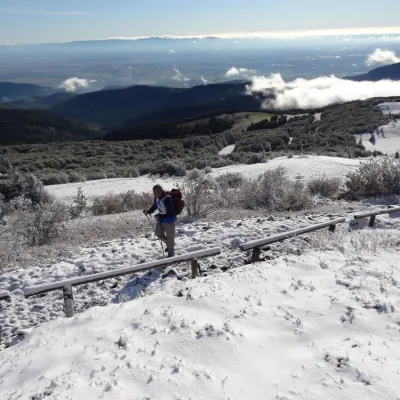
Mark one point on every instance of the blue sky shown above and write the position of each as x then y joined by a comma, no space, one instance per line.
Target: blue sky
64,20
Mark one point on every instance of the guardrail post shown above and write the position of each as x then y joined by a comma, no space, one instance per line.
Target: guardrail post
195,268
68,301
372,221
332,228
255,256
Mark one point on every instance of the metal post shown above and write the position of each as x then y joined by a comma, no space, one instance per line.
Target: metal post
255,257
332,228
372,221
68,301
195,268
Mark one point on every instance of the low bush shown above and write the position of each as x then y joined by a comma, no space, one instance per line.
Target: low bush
74,176
201,195
171,168
324,186
55,178
116,203
79,204
375,177
274,191
110,203
45,224
94,175
230,180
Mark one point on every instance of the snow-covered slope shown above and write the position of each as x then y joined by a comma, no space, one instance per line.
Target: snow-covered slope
303,167
324,325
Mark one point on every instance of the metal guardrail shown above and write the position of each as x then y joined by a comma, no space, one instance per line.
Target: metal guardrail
372,215
67,285
256,245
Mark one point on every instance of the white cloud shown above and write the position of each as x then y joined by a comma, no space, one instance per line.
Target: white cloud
73,84
381,56
295,34
239,71
180,77
318,92
205,81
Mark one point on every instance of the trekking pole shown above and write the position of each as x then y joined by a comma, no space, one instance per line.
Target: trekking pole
154,231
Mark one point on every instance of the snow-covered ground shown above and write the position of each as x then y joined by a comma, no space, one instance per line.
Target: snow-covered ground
390,108
388,142
227,150
320,325
304,167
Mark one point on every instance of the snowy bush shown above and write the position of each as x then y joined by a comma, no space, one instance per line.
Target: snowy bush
374,177
79,204
171,168
201,195
324,186
194,174
27,187
274,191
56,178
134,201
116,203
296,197
74,176
230,180
45,224
94,175
110,203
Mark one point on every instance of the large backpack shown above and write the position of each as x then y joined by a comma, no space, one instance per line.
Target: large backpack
176,196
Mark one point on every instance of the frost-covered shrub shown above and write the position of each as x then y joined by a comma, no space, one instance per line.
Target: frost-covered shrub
324,186
116,203
79,204
295,197
56,178
274,191
230,180
75,176
201,196
374,177
45,224
25,187
266,191
256,158
134,201
172,168
96,174
110,203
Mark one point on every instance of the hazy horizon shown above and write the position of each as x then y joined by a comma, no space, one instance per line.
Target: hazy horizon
47,21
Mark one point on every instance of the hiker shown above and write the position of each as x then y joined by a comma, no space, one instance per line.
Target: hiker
166,218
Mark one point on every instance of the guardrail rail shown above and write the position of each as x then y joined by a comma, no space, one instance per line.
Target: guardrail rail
67,285
256,245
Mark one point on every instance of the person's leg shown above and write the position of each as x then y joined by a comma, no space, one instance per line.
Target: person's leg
160,231
170,233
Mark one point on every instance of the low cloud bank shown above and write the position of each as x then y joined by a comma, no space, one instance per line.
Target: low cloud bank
381,56
179,76
73,84
239,72
318,92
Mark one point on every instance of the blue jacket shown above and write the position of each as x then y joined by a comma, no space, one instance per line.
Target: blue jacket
165,207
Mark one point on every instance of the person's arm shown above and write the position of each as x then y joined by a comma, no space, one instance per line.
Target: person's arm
153,208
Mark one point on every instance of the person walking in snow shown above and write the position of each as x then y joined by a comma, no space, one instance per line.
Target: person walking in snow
166,218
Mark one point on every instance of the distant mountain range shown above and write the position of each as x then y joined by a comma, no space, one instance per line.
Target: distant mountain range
141,104
10,92
391,72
